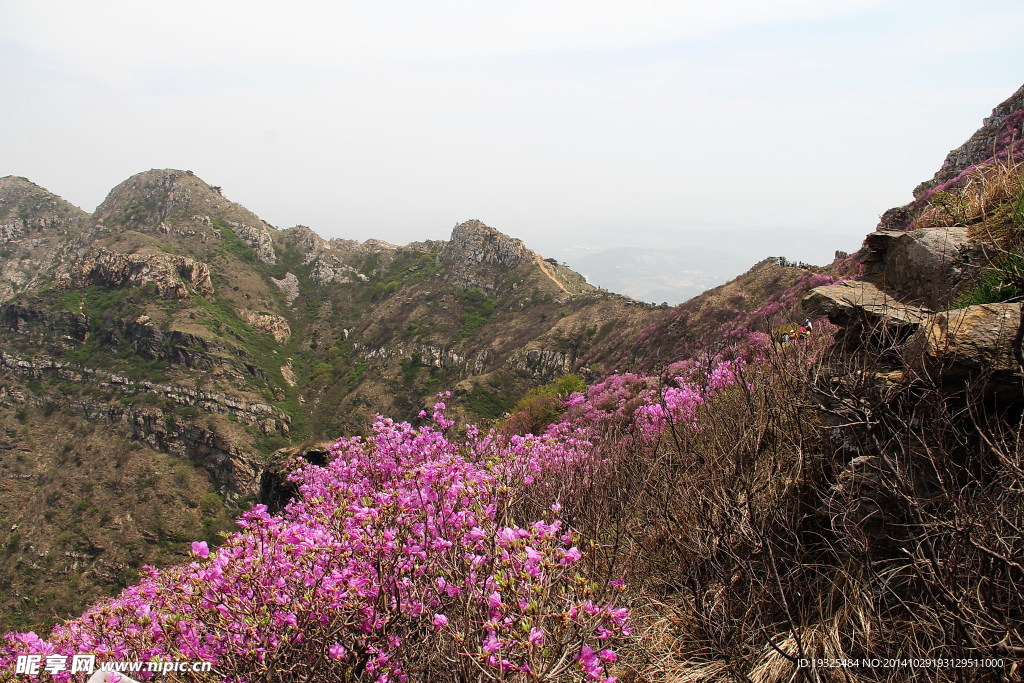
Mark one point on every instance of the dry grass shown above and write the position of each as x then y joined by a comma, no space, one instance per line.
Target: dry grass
987,193
754,541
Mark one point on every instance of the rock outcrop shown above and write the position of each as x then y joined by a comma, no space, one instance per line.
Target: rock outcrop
259,239
976,341
864,311
276,489
429,356
338,261
474,244
543,364
178,202
927,267
274,325
34,324
1001,133
173,276
1001,136
40,235
289,284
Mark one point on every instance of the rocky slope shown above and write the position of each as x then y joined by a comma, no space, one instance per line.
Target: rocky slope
180,328
942,273
39,234
1000,139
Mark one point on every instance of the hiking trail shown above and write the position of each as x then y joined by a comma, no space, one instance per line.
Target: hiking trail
544,269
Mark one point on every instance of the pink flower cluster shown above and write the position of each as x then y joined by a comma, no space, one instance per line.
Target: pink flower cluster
642,406
401,557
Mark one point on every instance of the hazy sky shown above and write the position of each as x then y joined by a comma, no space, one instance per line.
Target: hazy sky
566,123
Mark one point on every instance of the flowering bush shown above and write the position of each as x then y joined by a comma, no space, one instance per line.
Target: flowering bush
644,406
399,559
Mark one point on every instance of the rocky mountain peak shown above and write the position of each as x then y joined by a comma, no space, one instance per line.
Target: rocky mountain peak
23,201
169,201
306,241
1000,134
473,243
39,232
1000,139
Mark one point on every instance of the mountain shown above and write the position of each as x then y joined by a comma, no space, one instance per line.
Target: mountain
154,355
158,355
763,503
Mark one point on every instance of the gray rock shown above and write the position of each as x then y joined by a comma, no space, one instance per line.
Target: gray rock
474,244
925,267
977,342
175,277
259,239
864,311
289,284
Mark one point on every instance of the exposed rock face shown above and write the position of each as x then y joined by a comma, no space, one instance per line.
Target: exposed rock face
329,268
339,261
40,235
178,348
289,284
428,356
176,277
544,364
288,373
864,310
1001,132
33,323
473,244
275,487
925,266
306,241
274,325
328,265
171,201
232,468
972,341
247,412
259,239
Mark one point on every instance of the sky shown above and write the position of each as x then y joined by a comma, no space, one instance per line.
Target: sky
582,127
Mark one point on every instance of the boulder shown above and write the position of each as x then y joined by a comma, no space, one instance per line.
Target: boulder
926,267
275,487
977,342
864,311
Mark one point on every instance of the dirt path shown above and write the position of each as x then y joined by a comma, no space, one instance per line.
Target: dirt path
544,269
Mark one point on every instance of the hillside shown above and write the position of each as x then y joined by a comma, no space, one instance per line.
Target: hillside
714,503
184,339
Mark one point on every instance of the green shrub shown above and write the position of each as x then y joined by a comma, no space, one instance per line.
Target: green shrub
543,405
1004,281
211,503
